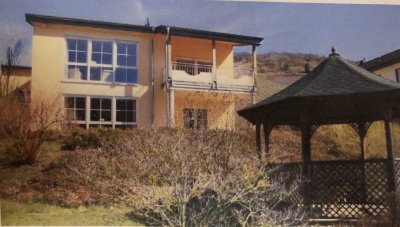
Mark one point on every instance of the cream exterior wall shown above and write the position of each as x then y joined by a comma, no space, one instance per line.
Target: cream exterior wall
49,67
388,72
221,107
201,49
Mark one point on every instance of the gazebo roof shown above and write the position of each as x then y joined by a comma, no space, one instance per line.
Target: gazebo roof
335,77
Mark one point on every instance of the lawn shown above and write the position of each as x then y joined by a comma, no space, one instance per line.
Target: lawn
36,213
14,213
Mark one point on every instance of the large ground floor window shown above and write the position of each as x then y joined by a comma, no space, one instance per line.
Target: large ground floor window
100,112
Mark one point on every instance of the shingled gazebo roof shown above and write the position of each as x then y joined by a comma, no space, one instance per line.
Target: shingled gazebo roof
334,90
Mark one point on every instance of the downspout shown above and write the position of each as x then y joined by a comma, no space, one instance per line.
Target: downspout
167,77
152,104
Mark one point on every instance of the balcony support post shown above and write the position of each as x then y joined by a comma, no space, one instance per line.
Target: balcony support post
168,82
214,65
254,68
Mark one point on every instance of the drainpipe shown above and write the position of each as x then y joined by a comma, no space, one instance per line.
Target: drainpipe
152,104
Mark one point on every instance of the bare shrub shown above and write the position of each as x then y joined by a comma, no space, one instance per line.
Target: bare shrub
171,177
27,124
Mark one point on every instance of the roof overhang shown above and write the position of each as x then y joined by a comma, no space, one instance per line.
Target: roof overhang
162,29
34,18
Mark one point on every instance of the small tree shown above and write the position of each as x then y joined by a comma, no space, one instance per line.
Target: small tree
27,124
12,59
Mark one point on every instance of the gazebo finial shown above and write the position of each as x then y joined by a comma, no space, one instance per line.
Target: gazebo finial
333,52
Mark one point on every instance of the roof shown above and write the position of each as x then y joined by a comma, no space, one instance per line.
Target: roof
23,67
203,34
180,31
32,18
383,61
335,76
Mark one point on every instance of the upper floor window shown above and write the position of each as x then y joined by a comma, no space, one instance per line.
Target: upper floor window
126,63
398,75
77,59
107,61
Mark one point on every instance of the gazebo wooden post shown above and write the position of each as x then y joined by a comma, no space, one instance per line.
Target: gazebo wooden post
267,131
390,163
306,161
258,138
362,129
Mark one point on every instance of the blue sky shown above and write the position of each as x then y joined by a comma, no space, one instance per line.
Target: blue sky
357,31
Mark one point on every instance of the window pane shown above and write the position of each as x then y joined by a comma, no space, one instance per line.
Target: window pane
70,114
81,57
107,74
131,105
82,73
80,115
95,115
121,48
131,61
107,47
71,44
130,116
106,104
80,103
71,72
107,59
120,75
95,103
121,104
106,115
131,76
96,46
71,56
95,73
82,45
131,49
96,57
121,60
69,102
121,116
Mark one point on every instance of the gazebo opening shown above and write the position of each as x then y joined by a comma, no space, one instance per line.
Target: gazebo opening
359,181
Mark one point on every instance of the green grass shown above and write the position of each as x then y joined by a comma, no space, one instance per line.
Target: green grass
14,213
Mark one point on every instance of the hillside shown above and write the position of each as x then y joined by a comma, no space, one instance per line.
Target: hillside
278,70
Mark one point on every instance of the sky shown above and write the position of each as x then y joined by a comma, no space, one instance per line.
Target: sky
357,31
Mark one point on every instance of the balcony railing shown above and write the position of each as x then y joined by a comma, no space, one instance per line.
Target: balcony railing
200,76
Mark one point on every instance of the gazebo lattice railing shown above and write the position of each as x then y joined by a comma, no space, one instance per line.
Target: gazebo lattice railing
336,92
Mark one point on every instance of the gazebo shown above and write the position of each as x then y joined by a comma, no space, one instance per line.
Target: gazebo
336,92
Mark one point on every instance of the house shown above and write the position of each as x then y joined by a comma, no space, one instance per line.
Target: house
387,65
122,75
19,82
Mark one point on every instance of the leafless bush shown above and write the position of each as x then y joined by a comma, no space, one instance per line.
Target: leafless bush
172,177
27,124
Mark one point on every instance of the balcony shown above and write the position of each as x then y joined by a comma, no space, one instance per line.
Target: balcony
205,77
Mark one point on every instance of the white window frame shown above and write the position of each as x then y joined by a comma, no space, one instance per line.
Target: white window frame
136,112
68,63
65,109
100,123
88,122
195,119
89,62
93,64
126,67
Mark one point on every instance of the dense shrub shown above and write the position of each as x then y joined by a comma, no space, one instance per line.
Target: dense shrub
92,138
